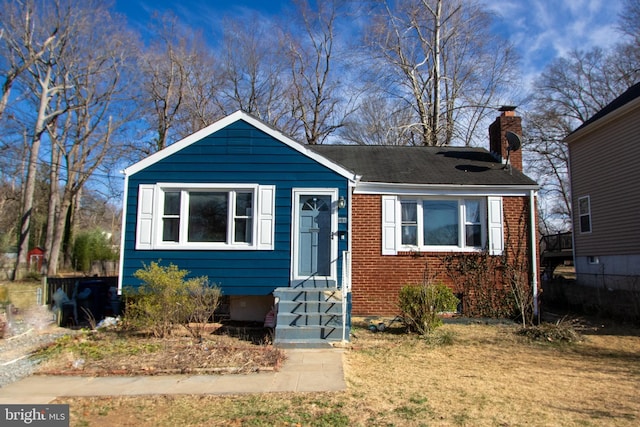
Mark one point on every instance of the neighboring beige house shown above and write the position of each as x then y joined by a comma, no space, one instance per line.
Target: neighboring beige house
604,158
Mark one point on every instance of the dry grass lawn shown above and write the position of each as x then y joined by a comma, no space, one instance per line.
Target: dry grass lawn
466,375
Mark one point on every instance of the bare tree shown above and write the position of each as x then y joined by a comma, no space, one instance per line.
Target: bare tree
66,92
41,87
254,77
580,85
164,70
202,86
180,83
22,43
569,92
441,59
83,135
547,158
629,20
379,120
315,89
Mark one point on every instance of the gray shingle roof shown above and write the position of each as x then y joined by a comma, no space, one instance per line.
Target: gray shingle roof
423,165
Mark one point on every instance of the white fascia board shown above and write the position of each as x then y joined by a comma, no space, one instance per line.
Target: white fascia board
602,121
443,189
123,230
228,120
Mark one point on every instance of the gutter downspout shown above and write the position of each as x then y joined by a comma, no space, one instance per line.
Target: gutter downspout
346,257
534,253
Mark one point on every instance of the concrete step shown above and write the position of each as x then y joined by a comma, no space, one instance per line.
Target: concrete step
314,284
306,294
308,333
301,307
309,319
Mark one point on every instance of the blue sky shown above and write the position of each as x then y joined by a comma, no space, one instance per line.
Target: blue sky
540,29
545,29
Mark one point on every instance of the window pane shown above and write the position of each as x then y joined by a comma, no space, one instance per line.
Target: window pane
583,204
472,209
243,230
170,229
409,235
409,211
244,204
440,222
208,217
473,236
172,203
585,223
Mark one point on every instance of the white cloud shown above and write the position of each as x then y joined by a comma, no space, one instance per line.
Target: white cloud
543,30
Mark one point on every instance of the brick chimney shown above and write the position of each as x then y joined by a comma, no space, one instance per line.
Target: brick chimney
506,121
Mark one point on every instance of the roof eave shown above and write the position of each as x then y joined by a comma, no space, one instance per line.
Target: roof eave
258,124
444,189
613,115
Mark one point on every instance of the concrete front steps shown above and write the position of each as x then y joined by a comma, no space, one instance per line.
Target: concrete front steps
308,317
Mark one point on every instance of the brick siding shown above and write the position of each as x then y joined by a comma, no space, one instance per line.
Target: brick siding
377,279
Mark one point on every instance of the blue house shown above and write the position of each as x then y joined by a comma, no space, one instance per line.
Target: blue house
262,216
276,223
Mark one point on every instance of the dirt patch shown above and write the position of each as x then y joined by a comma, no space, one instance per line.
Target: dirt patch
112,352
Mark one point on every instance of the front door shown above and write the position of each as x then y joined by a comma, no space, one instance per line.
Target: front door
314,244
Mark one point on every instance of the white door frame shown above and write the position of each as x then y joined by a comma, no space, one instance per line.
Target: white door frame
296,193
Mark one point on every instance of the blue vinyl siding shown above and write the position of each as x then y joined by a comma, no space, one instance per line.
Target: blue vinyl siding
239,154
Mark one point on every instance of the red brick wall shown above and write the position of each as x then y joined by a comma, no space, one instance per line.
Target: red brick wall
377,279
507,121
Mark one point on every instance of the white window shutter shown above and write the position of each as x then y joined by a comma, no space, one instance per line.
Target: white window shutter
144,220
389,229
266,216
496,234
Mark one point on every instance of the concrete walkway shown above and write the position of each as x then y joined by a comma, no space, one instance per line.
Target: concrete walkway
304,370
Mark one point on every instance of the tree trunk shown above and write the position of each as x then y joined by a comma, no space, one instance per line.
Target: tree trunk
54,202
30,184
435,119
70,233
58,235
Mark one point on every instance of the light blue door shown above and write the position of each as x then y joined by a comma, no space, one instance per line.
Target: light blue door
314,236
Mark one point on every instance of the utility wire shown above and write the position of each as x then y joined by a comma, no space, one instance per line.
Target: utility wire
64,167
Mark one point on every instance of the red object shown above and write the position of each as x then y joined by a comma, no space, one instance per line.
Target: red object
35,257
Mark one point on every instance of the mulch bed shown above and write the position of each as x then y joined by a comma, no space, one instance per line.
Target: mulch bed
125,354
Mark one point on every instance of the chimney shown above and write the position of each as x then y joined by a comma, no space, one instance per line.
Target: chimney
506,121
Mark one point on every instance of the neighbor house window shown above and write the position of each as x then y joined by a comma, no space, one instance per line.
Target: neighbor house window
584,211
436,224
203,216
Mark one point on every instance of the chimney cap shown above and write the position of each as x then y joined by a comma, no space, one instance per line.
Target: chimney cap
508,108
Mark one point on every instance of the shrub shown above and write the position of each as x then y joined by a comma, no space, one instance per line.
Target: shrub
421,304
165,299
203,301
561,332
91,246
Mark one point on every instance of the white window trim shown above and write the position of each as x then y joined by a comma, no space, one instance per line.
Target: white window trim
492,225
150,213
580,215
461,210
